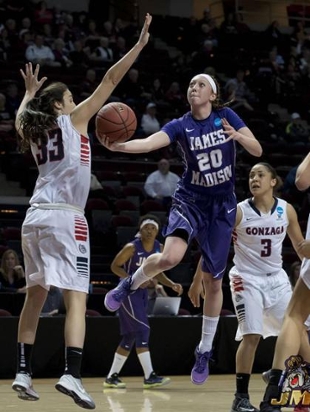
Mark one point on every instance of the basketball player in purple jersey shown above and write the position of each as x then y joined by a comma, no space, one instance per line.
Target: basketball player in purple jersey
134,324
204,203
55,237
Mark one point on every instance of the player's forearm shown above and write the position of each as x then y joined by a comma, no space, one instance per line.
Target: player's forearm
27,97
302,179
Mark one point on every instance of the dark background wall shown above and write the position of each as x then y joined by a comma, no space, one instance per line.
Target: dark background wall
172,344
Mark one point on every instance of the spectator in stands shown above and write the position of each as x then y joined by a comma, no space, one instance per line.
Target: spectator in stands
49,36
43,14
297,131
149,122
237,90
119,48
132,90
92,35
79,55
61,54
157,94
161,184
89,84
13,98
203,57
38,53
11,27
134,324
304,61
273,35
58,253
5,44
12,275
103,53
6,117
175,97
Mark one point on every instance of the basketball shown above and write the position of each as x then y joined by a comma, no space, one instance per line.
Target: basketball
117,121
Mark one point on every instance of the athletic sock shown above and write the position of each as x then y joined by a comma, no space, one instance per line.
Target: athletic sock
24,355
209,326
73,361
118,363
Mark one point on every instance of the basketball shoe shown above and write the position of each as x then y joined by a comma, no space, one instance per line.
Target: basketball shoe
114,382
73,387
23,386
114,298
242,405
155,381
200,371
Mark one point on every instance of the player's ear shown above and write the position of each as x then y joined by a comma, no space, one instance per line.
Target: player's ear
213,97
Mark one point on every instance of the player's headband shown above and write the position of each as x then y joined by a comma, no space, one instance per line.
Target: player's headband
149,222
211,81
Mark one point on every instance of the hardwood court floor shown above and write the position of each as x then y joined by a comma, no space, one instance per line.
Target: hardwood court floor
179,396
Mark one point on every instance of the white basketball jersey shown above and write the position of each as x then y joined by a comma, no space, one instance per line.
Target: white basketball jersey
64,166
258,238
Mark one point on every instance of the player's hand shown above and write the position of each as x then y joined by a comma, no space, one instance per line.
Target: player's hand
177,287
32,83
144,35
195,292
230,131
113,146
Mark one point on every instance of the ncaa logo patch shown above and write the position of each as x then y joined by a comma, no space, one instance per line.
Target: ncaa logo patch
217,122
279,212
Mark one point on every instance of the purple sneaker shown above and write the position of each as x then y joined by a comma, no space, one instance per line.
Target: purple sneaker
200,371
114,298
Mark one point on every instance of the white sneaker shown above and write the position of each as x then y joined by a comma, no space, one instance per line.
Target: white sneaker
23,385
73,387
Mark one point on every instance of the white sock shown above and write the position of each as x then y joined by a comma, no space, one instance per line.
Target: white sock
209,326
138,278
146,363
118,363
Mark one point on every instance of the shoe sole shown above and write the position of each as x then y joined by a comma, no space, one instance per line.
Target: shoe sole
198,383
80,402
156,385
22,393
111,386
107,305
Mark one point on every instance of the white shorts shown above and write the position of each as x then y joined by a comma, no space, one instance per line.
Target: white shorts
55,245
260,302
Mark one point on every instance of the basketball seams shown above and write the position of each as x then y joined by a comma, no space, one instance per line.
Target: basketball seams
113,121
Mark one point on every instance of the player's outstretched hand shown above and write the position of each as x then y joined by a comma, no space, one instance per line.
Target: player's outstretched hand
144,35
32,83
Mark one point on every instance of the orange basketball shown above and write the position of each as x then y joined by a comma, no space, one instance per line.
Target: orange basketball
117,121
